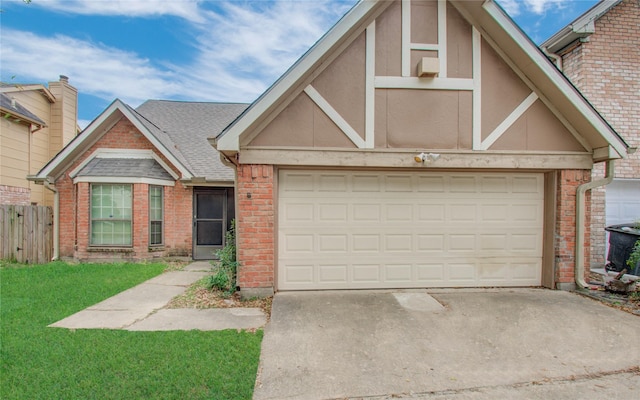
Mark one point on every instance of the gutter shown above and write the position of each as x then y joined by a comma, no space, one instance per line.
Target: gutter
580,219
56,220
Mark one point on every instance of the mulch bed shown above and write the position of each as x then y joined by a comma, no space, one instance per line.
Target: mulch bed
629,302
201,297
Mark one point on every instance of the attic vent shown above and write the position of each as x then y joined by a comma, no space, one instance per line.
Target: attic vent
428,67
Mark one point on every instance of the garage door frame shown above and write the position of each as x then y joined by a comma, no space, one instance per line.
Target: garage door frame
547,272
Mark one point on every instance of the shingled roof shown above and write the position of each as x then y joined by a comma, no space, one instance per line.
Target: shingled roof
183,127
178,129
8,105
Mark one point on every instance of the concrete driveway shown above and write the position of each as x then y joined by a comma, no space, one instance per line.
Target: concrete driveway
469,344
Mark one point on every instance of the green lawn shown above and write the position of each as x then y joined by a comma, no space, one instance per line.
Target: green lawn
53,363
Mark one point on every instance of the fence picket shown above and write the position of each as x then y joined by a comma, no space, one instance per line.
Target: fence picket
26,233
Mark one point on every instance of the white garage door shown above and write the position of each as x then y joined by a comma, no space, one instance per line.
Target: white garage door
622,204
623,201
348,230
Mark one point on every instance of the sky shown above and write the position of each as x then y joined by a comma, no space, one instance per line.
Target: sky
194,50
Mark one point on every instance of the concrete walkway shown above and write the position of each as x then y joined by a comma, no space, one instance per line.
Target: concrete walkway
142,308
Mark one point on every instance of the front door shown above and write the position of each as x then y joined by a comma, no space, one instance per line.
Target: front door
210,221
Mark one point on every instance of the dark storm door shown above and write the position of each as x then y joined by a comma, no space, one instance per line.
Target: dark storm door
209,222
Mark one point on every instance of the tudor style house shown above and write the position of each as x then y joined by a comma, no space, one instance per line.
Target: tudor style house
37,121
143,183
600,53
417,144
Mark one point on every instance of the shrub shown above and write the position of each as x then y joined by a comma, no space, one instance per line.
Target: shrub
634,257
225,277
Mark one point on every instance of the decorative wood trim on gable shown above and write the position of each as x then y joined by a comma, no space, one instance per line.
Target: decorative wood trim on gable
335,116
506,124
476,43
370,95
440,120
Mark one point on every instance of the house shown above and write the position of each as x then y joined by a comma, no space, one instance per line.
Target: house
417,144
143,183
600,53
37,121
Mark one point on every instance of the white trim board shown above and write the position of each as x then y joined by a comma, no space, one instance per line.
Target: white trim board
509,121
335,116
398,82
123,179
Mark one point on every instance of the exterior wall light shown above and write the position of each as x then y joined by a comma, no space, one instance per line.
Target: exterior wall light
426,157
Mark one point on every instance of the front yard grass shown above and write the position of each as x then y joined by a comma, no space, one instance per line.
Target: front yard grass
38,362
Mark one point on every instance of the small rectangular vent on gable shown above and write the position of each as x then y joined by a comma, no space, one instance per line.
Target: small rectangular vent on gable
428,67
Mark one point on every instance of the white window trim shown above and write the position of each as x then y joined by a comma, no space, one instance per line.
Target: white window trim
123,179
97,246
162,220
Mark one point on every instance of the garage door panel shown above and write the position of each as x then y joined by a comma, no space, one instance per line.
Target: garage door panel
302,212
449,273
385,230
412,242
366,274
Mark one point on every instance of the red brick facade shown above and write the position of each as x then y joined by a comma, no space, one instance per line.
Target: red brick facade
565,232
18,196
256,226
75,209
606,69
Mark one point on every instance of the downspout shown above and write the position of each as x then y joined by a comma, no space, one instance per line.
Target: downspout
56,220
557,59
580,207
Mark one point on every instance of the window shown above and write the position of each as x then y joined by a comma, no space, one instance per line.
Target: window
110,215
156,215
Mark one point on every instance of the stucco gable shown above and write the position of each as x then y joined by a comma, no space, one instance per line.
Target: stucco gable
370,91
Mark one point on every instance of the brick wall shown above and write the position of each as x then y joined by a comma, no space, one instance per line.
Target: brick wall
75,209
255,226
607,71
565,233
14,195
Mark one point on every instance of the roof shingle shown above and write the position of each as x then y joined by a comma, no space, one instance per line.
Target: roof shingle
183,128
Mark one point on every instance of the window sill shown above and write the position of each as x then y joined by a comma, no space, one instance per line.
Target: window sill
98,249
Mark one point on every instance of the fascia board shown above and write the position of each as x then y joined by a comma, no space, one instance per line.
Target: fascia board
67,154
580,27
23,88
21,117
556,78
96,128
229,141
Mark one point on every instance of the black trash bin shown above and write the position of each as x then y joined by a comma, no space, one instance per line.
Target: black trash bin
622,238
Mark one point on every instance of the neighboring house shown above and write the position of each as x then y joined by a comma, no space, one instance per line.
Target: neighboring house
37,121
600,53
417,144
143,183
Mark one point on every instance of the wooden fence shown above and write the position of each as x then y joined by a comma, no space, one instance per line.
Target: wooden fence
26,234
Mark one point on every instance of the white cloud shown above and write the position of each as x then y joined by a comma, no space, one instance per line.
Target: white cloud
240,51
187,9
512,7
537,7
93,68
253,46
